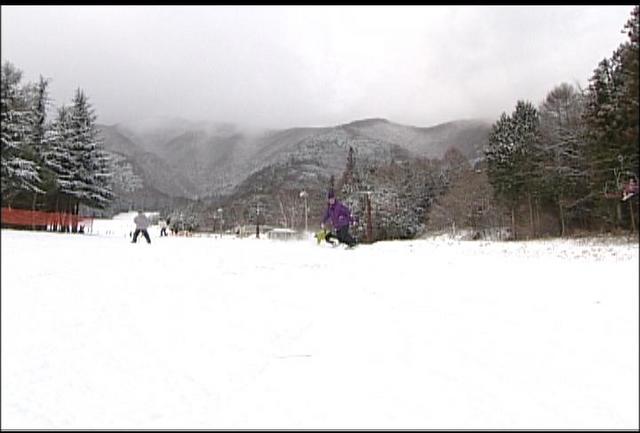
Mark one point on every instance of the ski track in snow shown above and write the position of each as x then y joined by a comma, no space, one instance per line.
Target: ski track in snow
245,333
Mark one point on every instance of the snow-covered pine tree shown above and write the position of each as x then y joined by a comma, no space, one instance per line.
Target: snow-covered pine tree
611,120
630,72
19,169
624,91
502,165
526,123
92,179
38,134
513,158
60,159
400,194
38,119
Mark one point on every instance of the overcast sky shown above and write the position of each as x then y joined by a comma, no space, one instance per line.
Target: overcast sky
285,66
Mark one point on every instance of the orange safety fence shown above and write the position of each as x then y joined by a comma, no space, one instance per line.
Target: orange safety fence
24,217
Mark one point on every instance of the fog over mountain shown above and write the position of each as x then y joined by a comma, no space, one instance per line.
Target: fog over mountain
193,160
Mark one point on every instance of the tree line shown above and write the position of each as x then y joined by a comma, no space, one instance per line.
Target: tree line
571,156
555,169
52,165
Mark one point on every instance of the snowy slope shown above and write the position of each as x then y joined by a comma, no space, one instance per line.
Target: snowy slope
227,333
121,225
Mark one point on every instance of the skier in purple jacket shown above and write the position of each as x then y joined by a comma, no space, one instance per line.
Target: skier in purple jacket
340,217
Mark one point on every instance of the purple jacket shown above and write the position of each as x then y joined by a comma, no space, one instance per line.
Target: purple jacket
339,214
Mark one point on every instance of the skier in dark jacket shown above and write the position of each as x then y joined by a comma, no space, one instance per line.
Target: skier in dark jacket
340,217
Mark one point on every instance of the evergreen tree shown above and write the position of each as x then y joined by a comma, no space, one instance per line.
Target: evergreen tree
513,157
599,115
502,165
19,168
628,93
92,177
611,120
59,158
38,134
526,124
38,125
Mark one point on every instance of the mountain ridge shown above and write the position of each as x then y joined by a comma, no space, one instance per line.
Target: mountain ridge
207,159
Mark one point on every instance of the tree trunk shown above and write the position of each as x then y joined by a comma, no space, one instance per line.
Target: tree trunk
74,226
284,214
561,216
538,223
513,223
77,213
33,211
56,224
633,221
369,221
63,214
531,222
67,216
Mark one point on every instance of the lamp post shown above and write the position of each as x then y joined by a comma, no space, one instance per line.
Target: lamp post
304,194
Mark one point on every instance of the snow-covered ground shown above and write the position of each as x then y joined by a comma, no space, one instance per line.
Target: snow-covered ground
121,225
99,333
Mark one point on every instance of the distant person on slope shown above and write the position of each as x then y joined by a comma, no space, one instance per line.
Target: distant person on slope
163,227
340,217
142,222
